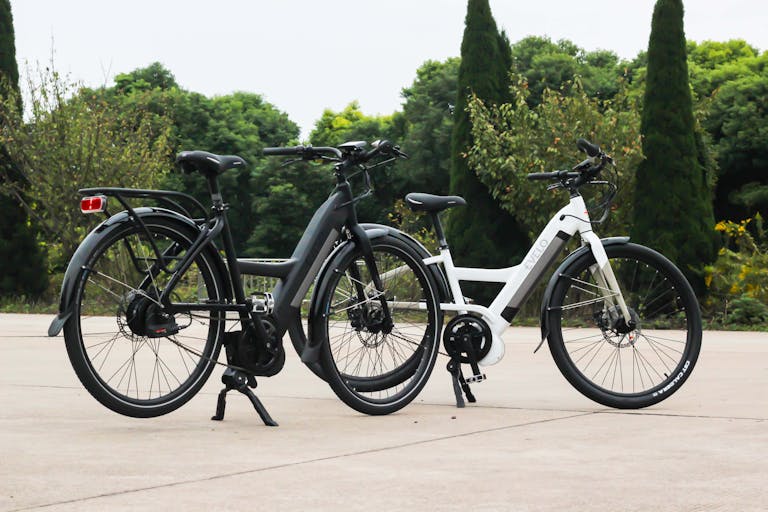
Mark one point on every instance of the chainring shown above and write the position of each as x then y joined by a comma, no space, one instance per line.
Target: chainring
471,329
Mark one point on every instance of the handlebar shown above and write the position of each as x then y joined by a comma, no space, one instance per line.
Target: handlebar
306,152
556,175
590,149
351,153
581,173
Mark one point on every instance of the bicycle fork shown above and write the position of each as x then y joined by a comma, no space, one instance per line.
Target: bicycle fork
605,278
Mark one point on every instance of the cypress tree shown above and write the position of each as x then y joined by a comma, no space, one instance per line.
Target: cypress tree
481,233
673,201
22,269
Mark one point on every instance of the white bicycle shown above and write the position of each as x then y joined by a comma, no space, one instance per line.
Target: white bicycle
622,322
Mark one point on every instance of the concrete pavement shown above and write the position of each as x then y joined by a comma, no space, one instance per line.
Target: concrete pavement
531,443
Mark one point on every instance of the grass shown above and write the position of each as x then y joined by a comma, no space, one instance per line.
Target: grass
23,305
47,307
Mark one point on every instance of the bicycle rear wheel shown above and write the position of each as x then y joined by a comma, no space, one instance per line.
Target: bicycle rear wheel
618,366
376,367
130,355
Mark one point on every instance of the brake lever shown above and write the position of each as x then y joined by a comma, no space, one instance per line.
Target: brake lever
291,161
383,162
397,152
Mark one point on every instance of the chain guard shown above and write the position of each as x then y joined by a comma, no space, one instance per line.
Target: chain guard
477,331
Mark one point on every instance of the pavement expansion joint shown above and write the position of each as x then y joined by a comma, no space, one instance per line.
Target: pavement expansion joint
300,463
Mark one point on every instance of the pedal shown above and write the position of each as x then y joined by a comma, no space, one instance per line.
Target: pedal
265,305
480,377
460,384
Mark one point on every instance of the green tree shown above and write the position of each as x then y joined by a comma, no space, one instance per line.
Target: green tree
153,77
285,198
514,139
426,130
673,207
351,124
73,140
548,65
240,123
482,234
23,266
335,128
713,63
738,124
729,80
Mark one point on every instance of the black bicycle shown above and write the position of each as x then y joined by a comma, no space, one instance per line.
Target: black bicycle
147,297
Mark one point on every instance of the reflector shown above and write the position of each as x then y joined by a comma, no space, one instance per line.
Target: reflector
93,204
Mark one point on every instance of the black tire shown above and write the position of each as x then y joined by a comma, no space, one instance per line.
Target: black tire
124,369
640,367
374,371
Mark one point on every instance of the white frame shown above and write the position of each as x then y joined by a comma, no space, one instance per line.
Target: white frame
571,219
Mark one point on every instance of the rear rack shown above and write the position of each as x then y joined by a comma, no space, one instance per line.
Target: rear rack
165,197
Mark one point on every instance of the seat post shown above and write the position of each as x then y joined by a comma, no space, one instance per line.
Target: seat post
442,242
213,189
220,212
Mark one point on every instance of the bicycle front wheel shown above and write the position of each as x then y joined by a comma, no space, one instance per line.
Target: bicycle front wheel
128,353
377,361
617,365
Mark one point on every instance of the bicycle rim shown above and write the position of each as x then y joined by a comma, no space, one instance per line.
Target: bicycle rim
122,282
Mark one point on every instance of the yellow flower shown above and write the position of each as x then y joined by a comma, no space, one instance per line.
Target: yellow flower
708,280
720,226
744,272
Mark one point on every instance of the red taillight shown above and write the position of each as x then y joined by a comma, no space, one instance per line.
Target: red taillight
93,204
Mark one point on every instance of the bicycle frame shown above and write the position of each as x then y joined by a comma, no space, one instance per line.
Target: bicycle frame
335,215
520,280
299,271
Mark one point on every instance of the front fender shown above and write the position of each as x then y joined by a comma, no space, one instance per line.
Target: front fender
616,240
311,352
94,238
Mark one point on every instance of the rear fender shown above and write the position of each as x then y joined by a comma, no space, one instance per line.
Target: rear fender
76,265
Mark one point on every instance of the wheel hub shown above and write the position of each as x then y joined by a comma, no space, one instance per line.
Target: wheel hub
145,318
369,317
616,330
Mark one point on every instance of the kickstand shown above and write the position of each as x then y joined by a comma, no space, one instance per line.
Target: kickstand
238,380
459,383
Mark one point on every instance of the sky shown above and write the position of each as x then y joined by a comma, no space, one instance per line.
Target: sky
305,56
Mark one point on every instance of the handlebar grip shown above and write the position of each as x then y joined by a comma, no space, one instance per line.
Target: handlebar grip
587,147
289,151
380,146
541,176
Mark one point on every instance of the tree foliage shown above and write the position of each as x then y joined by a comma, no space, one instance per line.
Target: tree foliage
75,140
550,65
737,281
23,267
285,198
351,124
481,234
672,175
514,139
427,126
240,123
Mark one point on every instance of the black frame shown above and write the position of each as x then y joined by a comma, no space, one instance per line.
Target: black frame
335,218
